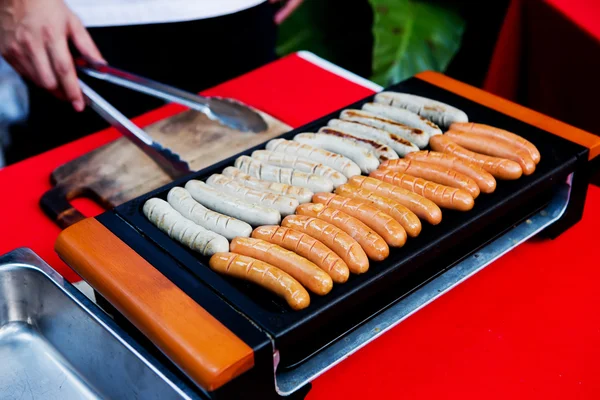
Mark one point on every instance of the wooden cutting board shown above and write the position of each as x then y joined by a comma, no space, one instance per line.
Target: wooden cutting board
119,171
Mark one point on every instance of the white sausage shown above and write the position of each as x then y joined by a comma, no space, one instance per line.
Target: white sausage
285,205
413,135
336,161
161,214
364,158
301,194
436,111
398,144
404,117
255,168
381,150
253,214
181,200
301,164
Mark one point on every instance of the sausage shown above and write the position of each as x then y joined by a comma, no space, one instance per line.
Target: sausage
364,158
372,243
493,147
404,117
424,208
306,272
400,145
253,214
413,135
285,205
440,113
387,227
499,167
500,134
205,242
336,161
381,150
301,194
434,173
301,164
305,246
262,274
485,180
181,200
407,218
333,237
255,168
443,196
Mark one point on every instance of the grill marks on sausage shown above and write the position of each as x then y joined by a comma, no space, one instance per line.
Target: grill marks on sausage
334,132
356,114
425,120
392,136
434,108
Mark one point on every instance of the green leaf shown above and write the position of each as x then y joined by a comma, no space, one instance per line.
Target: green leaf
305,30
410,36
413,36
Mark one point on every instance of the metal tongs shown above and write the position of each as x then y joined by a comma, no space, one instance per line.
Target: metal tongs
228,112
170,162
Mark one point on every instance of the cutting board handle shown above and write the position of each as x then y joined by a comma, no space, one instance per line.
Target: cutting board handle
55,203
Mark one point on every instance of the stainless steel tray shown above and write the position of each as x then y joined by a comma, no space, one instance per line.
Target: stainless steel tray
56,344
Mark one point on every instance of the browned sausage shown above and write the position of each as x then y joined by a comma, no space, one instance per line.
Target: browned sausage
407,218
424,208
337,240
484,179
306,272
263,274
434,173
443,196
307,247
390,230
500,134
373,244
499,167
493,147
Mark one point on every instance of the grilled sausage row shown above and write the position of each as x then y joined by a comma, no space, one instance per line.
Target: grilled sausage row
307,238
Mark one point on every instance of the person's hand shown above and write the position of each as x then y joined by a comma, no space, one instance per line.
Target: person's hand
34,39
286,10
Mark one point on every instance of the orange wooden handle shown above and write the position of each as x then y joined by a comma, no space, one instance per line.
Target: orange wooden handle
507,107
199,344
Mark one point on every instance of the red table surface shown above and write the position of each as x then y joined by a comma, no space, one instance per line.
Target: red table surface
583,13
527,326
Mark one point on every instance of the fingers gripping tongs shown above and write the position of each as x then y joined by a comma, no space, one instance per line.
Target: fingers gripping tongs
228,112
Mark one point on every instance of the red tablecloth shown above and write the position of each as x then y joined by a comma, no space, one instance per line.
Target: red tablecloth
548,56
527,326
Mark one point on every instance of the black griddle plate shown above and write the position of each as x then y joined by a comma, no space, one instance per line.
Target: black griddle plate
298,334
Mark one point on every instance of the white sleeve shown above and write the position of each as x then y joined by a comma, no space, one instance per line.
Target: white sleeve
96,13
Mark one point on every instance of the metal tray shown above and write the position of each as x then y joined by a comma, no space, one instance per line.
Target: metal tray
56,344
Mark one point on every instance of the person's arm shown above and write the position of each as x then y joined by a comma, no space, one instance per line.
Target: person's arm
34,39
